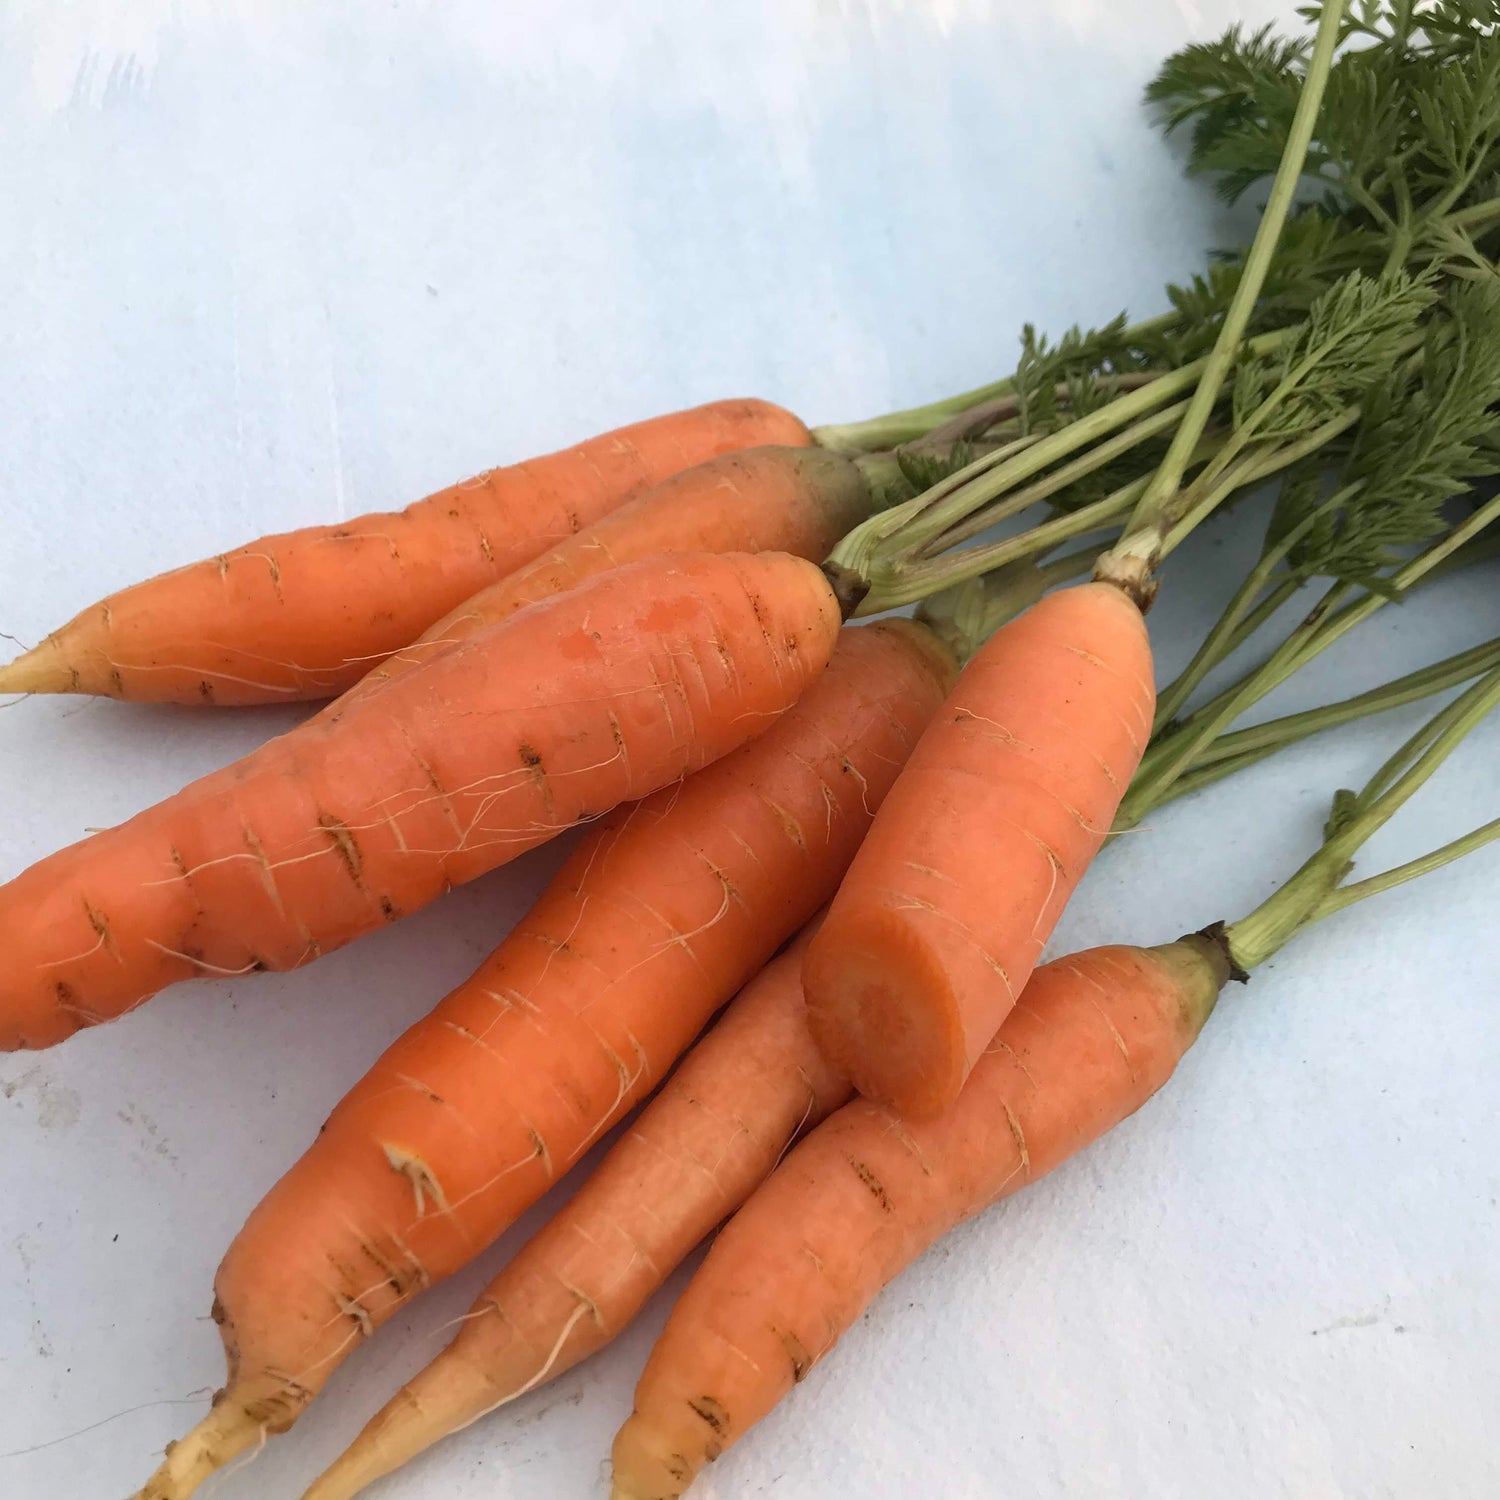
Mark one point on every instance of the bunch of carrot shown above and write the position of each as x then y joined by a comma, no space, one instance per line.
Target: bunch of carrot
857,838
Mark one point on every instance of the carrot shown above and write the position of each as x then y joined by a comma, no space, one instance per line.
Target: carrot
798,500
304,614
717,1128
657,918
1007,798
596,697
1093,1037
865,1194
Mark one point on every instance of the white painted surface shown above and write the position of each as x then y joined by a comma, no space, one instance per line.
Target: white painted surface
269,262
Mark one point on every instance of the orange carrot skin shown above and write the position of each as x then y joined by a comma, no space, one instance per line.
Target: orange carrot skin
599,696
981,843
658,917
1094,1036
715,1131
304,614
770,499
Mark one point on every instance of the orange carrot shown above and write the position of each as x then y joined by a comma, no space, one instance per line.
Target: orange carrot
979,846
306,613
596,697
1094,1036
717,1128
658,917
798,500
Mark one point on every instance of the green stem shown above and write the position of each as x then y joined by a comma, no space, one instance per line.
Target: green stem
1272,671
897,427
1179,751
1206,493
1306,896
1238,751
1274,734
1328,630
896,583
1176,694
1088,462
1001,410
1063,443
1132,561
1323,626
1478,216
1262,612
1192,781
1347,895
891,587
1216,644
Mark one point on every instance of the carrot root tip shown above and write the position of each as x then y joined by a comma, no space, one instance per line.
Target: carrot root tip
31,672
227,1431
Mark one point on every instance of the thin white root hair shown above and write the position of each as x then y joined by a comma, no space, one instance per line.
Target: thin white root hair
542,1374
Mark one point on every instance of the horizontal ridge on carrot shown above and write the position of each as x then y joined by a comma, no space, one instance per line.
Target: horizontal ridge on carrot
768,499
1095,1035
974,855
659,916
305,614
718,1126
599,696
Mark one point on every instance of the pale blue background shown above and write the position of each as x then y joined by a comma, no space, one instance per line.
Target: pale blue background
275,262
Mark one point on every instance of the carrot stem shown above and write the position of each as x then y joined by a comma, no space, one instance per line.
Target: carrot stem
1211,488
892,588
1412,688
1134,558
1373,885
1313,892
1178,752
897,427
1222,638
1090,460
1235,752
1227,638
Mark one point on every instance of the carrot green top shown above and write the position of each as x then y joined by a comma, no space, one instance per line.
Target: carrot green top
1351,352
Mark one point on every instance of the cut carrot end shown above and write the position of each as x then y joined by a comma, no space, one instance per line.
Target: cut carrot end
227,1431
882,1011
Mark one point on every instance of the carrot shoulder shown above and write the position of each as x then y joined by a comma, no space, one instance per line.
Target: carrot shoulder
797,500
709,1138
977,850
660,914
304,614
600,696
1094,1036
